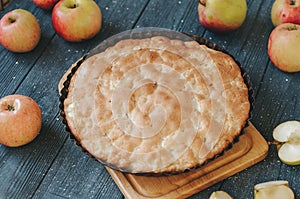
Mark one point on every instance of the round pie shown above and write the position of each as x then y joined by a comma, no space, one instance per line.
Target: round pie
156,105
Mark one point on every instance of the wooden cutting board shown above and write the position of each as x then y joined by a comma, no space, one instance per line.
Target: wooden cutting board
250,149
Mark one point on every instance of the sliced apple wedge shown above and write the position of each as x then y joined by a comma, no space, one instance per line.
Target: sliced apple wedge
287,137
273,190
220,195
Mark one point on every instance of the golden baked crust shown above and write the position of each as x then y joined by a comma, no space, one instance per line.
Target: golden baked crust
156,105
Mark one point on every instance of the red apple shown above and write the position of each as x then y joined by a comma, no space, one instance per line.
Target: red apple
285,11
76,20
284,47
20,120
222,15
19,31
45,4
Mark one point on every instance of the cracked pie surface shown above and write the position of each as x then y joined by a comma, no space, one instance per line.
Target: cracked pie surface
156,105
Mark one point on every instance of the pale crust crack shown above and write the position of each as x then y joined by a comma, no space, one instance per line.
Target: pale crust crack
157,105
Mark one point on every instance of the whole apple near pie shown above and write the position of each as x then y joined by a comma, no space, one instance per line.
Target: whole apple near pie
45,4
285,11
76,20
284,47
19,31
20,120
222,15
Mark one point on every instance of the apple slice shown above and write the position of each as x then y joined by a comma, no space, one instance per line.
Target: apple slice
273,190
287,135
220,195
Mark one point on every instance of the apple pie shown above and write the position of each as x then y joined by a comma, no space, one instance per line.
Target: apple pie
156,105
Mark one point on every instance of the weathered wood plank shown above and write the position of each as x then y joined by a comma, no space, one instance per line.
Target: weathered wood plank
40,82
16,66
272,89
53,167
75,175
178,15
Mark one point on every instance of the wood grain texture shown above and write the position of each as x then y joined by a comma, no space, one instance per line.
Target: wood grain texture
53,167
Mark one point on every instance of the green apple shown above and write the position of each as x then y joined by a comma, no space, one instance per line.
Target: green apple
220,195
222,15
273,190
285,11
287,136
76,20
284,47
19,31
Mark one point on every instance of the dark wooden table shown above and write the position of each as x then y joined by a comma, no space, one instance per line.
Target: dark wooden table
53,167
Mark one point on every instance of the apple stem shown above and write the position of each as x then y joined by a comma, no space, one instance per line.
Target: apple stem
292,2
74,5
10,108
201,2
11,20
294,27
273,142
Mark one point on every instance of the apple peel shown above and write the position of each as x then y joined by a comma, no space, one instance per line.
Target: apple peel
20,120
283,47
222,15
285,11
76,21
287,137
20,31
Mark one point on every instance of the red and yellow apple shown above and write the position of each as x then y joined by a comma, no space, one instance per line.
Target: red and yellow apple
20,120
222,15
284,47
45,4
76,20
285,11
19,31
